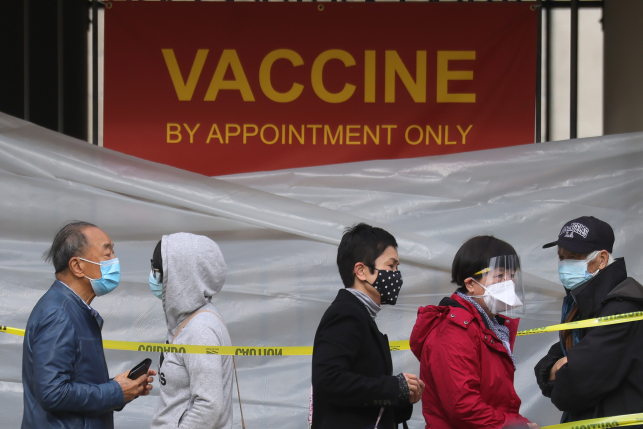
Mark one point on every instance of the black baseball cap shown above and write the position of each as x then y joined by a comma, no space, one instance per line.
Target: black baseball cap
585,235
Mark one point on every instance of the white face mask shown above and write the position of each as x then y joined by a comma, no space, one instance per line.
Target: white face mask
500,297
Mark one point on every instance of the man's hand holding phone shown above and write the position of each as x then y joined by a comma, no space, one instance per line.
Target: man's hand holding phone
136,382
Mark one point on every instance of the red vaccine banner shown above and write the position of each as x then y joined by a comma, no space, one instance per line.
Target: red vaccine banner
230,87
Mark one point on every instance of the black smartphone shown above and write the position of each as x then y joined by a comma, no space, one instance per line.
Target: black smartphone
140,369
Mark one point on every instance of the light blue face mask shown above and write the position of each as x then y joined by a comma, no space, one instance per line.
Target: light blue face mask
111,276
573,272
155,286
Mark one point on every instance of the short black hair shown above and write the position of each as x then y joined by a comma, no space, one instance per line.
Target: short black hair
361,243
157,260
474,255
70,241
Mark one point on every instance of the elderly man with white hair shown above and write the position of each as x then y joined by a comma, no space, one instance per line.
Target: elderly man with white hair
64,373
594,372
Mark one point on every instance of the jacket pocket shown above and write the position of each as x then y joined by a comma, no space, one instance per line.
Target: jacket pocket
90,366
185,412
181,418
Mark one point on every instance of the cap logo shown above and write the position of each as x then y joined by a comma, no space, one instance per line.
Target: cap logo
575,227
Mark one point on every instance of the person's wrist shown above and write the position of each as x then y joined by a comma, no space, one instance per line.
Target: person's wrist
552,373
404,391
117,395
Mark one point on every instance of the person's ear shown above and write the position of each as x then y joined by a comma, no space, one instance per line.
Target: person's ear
360,271
469,284
75,268
602,258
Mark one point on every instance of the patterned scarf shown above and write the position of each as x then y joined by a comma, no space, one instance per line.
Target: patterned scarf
501,331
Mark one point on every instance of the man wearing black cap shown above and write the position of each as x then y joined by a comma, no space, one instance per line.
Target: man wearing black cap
594,372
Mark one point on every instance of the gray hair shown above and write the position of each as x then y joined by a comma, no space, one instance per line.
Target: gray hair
592,255
69,242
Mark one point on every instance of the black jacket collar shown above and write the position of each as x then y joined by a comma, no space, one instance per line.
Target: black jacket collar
629,289
382,339
345,295
590,296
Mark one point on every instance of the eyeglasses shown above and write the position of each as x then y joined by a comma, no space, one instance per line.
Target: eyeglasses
156,272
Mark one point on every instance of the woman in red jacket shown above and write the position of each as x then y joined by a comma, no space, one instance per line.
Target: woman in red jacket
465,347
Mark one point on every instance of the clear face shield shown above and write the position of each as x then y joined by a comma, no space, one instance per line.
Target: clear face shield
502,282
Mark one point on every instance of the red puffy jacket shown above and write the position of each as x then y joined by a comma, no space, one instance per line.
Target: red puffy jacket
468,373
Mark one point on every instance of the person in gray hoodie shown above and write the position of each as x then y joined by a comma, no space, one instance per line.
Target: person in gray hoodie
196,390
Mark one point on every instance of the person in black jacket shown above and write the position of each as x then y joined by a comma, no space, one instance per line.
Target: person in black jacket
353,385
597,372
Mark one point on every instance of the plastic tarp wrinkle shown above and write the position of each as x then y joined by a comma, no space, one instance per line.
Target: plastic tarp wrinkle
278,232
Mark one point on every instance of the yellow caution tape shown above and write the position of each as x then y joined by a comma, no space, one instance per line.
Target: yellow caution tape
207,350
588,323
13,331
308,350
602,423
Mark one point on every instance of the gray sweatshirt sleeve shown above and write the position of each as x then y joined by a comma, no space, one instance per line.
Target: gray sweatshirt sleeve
209,398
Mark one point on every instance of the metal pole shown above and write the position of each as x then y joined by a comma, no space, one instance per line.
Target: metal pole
548,75
61,68
26,60
539,76
573,101
95,72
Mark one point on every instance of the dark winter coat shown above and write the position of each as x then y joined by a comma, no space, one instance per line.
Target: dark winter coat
352,371
64,373
604,371
468,372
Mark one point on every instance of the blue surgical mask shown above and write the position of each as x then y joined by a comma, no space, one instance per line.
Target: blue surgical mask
155,286
110,276
573,273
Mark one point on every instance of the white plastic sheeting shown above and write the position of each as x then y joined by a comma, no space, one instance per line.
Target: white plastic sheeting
278,232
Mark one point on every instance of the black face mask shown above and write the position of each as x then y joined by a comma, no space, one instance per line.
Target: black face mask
388,284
